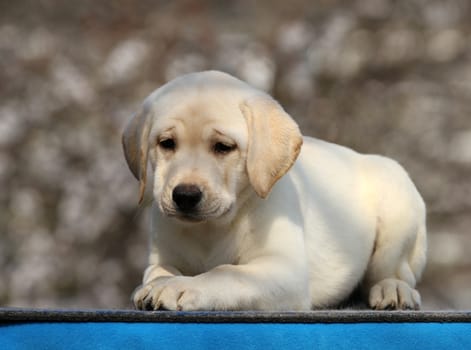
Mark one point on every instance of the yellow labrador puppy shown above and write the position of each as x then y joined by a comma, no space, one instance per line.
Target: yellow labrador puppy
250,215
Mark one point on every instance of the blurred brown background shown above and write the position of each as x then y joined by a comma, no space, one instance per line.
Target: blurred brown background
389,77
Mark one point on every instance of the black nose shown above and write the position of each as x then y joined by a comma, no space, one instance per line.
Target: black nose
186,197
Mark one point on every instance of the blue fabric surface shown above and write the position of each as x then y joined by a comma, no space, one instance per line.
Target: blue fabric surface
181,336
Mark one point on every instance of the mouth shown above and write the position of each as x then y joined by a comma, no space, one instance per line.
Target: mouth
196,217
187,217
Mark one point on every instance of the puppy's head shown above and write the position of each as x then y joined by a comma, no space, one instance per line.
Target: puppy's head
208,137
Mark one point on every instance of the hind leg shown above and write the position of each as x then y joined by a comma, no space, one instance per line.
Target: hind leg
395,267
398,257
393,294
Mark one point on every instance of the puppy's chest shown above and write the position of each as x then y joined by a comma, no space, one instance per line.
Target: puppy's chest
200,253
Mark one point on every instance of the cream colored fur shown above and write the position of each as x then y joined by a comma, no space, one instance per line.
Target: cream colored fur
279,226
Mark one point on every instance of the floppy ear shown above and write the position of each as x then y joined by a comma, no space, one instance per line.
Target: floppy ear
274,142
136,146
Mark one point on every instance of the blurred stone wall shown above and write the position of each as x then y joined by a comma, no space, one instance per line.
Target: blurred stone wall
388,77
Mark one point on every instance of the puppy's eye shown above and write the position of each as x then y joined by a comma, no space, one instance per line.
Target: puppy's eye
223,148
168,144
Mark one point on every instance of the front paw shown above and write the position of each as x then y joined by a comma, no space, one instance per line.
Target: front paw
170,293
144,295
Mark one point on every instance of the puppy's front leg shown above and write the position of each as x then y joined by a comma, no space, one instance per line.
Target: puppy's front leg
146,295
266,284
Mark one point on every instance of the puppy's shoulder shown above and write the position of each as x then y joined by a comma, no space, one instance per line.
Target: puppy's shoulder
321,151
316,148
